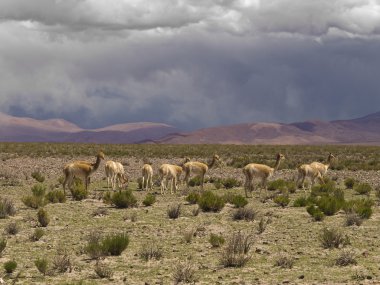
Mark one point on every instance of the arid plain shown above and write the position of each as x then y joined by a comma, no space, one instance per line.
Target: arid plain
275,232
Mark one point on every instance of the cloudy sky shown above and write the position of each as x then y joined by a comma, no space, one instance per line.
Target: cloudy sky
191,64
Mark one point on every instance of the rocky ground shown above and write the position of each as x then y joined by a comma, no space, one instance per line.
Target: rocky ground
290,232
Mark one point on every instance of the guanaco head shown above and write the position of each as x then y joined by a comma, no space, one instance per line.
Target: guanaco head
123,179
280,156
101,155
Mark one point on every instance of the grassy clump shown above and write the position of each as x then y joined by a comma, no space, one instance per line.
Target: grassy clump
10,266
236,253
78,190
56,196
37,199
41,265
61,261
43,217
38,176
247,214
174,211
7,208
300,202
239,201
149,200
102,270
283,186
282,200
209,202
347,257
150,251
284,261
12,228
184,272
216,240
193,197
195,181
229,183
115,244
37,234
94,247
363,188
124,199
349,183
333,238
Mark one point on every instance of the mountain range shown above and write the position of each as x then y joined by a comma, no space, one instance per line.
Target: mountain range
364,130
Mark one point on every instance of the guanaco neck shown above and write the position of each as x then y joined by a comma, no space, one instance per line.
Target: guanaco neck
278,161
95,165
212,163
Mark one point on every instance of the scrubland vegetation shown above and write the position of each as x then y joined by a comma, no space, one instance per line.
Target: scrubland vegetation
216,236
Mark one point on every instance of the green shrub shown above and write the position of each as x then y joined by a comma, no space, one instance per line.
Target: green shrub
278,184
78,190
94,247
315,212
115,244
56,196
195,181
124,199
333,238
10,266
43,217
329,205
353,219
38,176
362,207
33,201
349,183
216,240
193,197
300,202
3,245
229,183
363,188
174,211
323,189
149,200
39,190
282,200
291,186
239,201
209,202
42,265
7,208
37,234
107,198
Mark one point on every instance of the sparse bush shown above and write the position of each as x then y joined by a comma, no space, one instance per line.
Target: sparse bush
38,176
42,265
3,245
193,197
12,228
282,200
195,211
7,208
300,202
291,186
284,261
229,183
10,266
347,257
247,214
353,219
333,238
115,244
363,188
102,270
139,183
100,212
150,250
56,196
37,234
39,190
43,217
209,202
315,212
78,190
236,254
33,201
195,181
124,199
216,240
184,272
262,225
107,198
239,201
349,183
174,211
149,200
94,248
61,261
362,207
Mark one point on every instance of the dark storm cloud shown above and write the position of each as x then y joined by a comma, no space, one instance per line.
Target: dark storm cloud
189,63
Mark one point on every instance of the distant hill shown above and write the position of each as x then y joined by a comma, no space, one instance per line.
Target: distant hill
14,129
364,130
